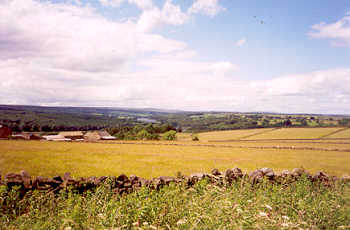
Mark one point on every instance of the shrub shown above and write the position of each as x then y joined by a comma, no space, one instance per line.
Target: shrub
170,135
195,137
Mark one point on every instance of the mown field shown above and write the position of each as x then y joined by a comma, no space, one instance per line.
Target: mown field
150,159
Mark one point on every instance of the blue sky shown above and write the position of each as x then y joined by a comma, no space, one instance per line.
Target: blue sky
279,56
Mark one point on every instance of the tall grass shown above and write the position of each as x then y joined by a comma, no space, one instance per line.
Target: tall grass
205,206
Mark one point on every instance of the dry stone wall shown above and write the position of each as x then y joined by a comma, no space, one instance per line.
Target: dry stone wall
124,184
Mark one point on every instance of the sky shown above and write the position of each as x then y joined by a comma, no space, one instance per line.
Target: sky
198,55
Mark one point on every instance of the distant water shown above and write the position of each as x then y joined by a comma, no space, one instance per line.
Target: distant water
147,120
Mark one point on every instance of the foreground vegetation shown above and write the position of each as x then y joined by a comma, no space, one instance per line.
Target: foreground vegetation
301,205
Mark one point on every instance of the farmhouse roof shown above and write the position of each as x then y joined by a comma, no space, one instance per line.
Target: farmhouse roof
56,138
99,135
71,133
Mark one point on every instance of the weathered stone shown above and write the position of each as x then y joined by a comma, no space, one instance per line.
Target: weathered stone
268,173
123,178
158,183
167,179
144,182
199,176
13,179
133,178
285,173
215,172
57,178
297,172
233,174
321,176
256,176
27,180
345,179
43,183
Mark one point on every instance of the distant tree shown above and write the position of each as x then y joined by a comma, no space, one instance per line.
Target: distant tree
150,129
143,135
304,122
27,127
36,128
288,123
194,137
170,135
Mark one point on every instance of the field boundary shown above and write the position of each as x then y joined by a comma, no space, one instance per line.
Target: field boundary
237,147
332,133
255,134
300,139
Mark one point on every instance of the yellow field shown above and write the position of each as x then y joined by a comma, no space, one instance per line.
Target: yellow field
230,134
342,134
294,133
150,159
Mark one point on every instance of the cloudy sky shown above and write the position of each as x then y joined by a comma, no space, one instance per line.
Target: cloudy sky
271,55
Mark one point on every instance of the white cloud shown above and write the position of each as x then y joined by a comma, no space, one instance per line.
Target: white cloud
206,7
54,54
111,3
241,42
170,14
338,32
142,4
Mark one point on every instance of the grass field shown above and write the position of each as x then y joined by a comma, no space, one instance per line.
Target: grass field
270,133
294,133
342,134
150,159
231,134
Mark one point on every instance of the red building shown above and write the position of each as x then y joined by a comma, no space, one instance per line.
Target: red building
5,132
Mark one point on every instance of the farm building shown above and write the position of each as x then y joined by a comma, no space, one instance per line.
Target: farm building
5,132
73,135
98,135
27,136
56,138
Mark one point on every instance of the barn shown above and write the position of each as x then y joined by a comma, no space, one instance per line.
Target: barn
27,136
73,135
98,135
5,132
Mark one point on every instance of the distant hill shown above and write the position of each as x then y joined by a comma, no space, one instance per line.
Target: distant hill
192,121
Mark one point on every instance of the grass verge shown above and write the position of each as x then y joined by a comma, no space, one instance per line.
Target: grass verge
301,205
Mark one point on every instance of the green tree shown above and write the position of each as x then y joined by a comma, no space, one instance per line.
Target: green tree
170,135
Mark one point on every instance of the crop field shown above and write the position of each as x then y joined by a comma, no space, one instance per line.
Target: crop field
295,133
231,134
151,159
342,134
